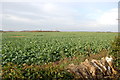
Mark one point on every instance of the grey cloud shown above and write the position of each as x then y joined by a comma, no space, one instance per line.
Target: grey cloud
33,16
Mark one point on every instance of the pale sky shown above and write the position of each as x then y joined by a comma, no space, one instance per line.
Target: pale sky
69,15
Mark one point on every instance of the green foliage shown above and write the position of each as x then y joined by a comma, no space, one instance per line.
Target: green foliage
24,54
115,51
32,48
35,72
11,71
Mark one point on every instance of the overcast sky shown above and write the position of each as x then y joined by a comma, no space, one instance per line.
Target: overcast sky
60,15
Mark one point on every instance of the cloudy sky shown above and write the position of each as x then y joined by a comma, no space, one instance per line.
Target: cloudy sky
69,15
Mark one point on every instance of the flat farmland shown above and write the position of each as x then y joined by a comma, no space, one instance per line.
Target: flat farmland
37,48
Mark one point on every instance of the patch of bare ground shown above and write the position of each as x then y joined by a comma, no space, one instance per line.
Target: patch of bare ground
17,36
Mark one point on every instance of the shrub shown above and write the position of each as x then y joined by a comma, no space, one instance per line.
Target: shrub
115,51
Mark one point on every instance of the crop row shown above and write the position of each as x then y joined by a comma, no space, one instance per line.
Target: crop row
44,47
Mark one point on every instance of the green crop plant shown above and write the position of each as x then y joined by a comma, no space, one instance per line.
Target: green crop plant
44,47
23,53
